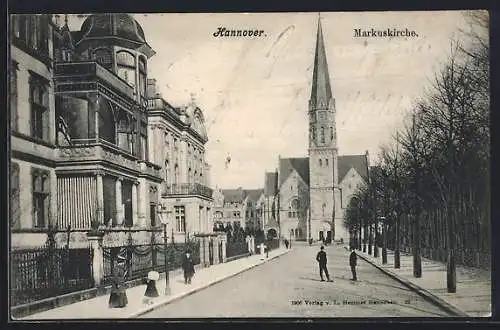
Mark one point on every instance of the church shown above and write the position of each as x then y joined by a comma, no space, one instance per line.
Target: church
313,192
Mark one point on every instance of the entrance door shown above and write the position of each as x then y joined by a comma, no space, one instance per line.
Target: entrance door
329,236
321,236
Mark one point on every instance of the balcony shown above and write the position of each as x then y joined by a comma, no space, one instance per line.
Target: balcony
92,150
80,74
158,103
186,189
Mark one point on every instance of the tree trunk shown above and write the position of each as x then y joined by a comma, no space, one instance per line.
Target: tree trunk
397,255
417,261
365,236
451,276
384,244
375,246
370,238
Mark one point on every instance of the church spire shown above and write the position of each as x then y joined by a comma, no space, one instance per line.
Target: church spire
321,91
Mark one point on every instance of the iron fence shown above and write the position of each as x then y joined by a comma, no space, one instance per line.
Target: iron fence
48,271
236,248
135,261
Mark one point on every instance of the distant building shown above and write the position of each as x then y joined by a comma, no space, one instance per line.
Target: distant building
253,218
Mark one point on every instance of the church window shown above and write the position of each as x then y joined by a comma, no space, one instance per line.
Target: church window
320,162
322,132
331,133
313,133
326,162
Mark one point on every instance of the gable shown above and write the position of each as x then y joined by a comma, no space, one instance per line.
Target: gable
288,165
358,162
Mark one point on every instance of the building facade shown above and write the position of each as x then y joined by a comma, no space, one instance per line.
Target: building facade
88,140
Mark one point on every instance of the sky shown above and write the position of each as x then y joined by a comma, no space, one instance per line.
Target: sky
254,92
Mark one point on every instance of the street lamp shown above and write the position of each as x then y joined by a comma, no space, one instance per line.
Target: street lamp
164,214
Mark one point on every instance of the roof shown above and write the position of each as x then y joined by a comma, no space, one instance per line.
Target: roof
233,195
358,162
270,182
254,194
287,165
321,91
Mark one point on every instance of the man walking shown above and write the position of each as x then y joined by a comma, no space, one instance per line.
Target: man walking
321,259
188,267
353,258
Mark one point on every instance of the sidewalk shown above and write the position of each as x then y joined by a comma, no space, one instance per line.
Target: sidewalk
97,308
473,295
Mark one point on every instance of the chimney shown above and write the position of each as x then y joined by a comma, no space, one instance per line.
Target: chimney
151,88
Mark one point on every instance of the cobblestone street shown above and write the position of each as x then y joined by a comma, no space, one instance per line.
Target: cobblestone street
290,287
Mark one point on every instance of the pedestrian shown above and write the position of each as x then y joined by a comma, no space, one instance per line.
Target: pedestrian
118,296
286,243
322,260
353,258
188,267
151,291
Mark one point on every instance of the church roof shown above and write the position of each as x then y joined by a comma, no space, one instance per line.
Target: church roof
321,91
287,165
270,182
358,162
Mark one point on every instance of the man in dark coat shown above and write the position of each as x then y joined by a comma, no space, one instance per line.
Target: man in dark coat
321,259
353,259
188,267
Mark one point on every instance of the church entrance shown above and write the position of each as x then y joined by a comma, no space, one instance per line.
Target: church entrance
328,237
321,236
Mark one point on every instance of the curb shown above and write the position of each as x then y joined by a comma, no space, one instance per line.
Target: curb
185,294
424,293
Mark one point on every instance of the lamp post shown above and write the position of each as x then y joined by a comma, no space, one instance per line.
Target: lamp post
164,214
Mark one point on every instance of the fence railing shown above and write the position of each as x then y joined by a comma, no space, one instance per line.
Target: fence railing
135,261
235,248
44,272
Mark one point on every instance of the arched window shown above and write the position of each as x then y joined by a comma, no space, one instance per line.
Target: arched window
142,76
103,57
313,133
176,174
331,133
189,175
106,121
326,162
322,135
320,162
323,208
126,66
124,131
167,174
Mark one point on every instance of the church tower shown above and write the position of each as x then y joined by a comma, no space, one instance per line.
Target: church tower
322,147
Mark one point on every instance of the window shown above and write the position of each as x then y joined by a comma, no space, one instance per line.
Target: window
103,57
320,162
13,96
142,76
15,206
41,197
331,133
180,218
322,132
313,133
126,67
39,99
32,31
152,214
326,162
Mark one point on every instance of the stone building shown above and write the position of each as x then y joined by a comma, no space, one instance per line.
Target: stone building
314,191
89,141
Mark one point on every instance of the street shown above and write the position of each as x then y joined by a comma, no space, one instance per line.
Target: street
290,286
